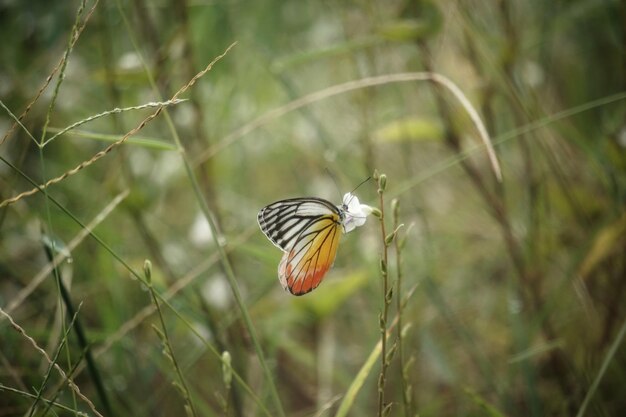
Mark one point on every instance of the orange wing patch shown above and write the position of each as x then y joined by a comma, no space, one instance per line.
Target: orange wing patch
304,266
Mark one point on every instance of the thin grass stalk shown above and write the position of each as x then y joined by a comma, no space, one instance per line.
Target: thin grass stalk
51,403
57,87
58,391
603,368
80,332
213,321
398,244
65,377
50,367
60,287
165,339
358,381
230,275
488,409
381,181
116,110
206,175
18,122
55,271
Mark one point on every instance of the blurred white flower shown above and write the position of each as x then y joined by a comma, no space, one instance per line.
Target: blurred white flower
355,213
200,232
216,292
129,61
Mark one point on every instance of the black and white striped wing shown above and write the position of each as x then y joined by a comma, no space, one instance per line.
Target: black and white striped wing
283,221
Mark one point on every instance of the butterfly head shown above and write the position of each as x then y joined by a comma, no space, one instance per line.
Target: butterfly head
352,213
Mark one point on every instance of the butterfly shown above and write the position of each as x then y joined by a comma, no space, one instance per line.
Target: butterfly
307,230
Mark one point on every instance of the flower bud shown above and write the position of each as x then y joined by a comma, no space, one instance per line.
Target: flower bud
395,207
382,182
147,270
227,369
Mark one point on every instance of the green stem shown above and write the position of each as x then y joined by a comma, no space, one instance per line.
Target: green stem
79,330
70,45
166,342
386,299
406,399
55,359
37,396
230,275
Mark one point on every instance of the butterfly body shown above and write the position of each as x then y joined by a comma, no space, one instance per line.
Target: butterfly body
307,230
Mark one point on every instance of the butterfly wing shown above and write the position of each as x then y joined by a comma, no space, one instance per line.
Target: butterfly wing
307,230
304,266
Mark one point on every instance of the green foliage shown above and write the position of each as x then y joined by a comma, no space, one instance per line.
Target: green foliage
413,129
512,291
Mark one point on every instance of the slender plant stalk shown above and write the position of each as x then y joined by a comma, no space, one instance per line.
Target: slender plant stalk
387,293
230,275
116,110
68,52
51,403
55,270
619,338
79,330
48,374
169,352
43,353
398,244
359,380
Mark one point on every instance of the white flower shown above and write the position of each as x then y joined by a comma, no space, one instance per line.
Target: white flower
355,213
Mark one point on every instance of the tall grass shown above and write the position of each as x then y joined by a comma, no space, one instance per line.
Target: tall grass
499,126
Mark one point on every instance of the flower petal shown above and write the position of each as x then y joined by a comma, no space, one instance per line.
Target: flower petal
355,213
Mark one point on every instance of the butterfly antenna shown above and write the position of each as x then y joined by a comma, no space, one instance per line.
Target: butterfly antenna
357,187
362,182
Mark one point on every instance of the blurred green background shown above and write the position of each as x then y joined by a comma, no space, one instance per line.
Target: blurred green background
514,291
